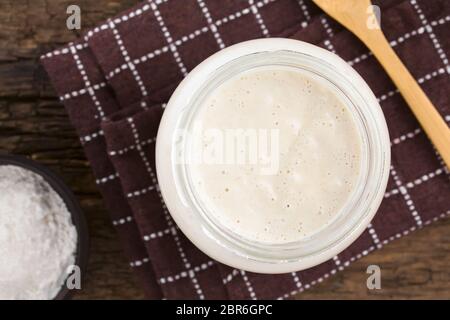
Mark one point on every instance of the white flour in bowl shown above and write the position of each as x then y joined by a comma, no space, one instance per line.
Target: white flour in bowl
37,237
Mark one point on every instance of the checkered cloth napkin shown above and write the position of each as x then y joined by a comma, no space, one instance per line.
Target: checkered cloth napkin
114,83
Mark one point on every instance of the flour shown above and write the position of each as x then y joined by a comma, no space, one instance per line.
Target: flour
37,237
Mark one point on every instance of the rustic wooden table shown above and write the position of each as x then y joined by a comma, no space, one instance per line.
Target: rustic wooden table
34,123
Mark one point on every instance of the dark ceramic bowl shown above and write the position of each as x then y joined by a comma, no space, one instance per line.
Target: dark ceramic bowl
74,208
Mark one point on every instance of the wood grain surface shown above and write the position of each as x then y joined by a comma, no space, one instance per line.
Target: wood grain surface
34,123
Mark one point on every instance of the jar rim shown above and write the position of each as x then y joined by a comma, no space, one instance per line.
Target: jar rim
258,256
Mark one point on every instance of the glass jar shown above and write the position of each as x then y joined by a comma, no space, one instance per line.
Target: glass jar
200,226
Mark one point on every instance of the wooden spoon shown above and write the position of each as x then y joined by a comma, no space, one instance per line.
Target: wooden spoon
358,17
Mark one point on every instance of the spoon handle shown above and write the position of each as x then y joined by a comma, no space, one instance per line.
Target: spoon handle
427,115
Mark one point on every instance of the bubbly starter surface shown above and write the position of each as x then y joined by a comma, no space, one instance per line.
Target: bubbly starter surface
314,162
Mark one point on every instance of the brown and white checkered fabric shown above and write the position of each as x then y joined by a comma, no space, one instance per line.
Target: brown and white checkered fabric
114,83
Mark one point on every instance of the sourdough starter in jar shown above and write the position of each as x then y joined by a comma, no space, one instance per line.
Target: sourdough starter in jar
307,160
